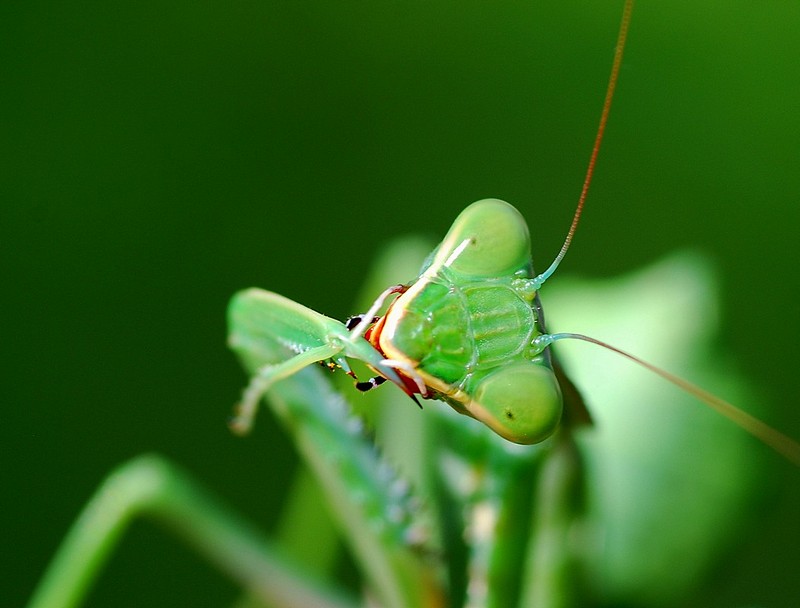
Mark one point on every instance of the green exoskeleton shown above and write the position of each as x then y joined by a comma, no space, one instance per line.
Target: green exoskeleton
465,331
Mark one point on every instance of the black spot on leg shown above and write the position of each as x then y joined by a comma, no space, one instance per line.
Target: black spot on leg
351,322
370,384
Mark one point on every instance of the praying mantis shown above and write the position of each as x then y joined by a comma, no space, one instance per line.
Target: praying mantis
385,371
469,330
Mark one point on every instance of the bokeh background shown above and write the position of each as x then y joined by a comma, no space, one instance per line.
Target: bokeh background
156,157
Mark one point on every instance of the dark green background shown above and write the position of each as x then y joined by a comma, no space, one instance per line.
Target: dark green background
159,156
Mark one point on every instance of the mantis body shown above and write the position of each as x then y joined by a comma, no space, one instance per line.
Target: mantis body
495,370
464,332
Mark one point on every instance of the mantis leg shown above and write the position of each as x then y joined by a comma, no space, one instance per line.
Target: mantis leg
278,337
152,487
266,376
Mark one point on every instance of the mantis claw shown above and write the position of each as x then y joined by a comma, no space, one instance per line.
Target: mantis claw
411,373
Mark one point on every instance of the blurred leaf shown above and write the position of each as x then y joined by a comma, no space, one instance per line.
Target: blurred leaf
670,481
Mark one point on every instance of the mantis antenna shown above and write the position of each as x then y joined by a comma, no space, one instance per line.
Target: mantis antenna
784,445
612,84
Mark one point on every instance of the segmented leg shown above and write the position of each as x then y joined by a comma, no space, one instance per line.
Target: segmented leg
268,375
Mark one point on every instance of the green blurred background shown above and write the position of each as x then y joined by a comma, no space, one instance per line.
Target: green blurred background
159,156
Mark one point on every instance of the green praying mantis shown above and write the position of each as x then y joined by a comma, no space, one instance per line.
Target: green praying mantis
470,331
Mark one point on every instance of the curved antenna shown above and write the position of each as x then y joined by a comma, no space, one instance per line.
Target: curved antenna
783,444
612,84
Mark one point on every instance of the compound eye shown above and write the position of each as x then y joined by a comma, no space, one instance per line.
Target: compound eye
521,403
488,239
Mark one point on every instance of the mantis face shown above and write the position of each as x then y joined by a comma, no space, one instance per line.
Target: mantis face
466,326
